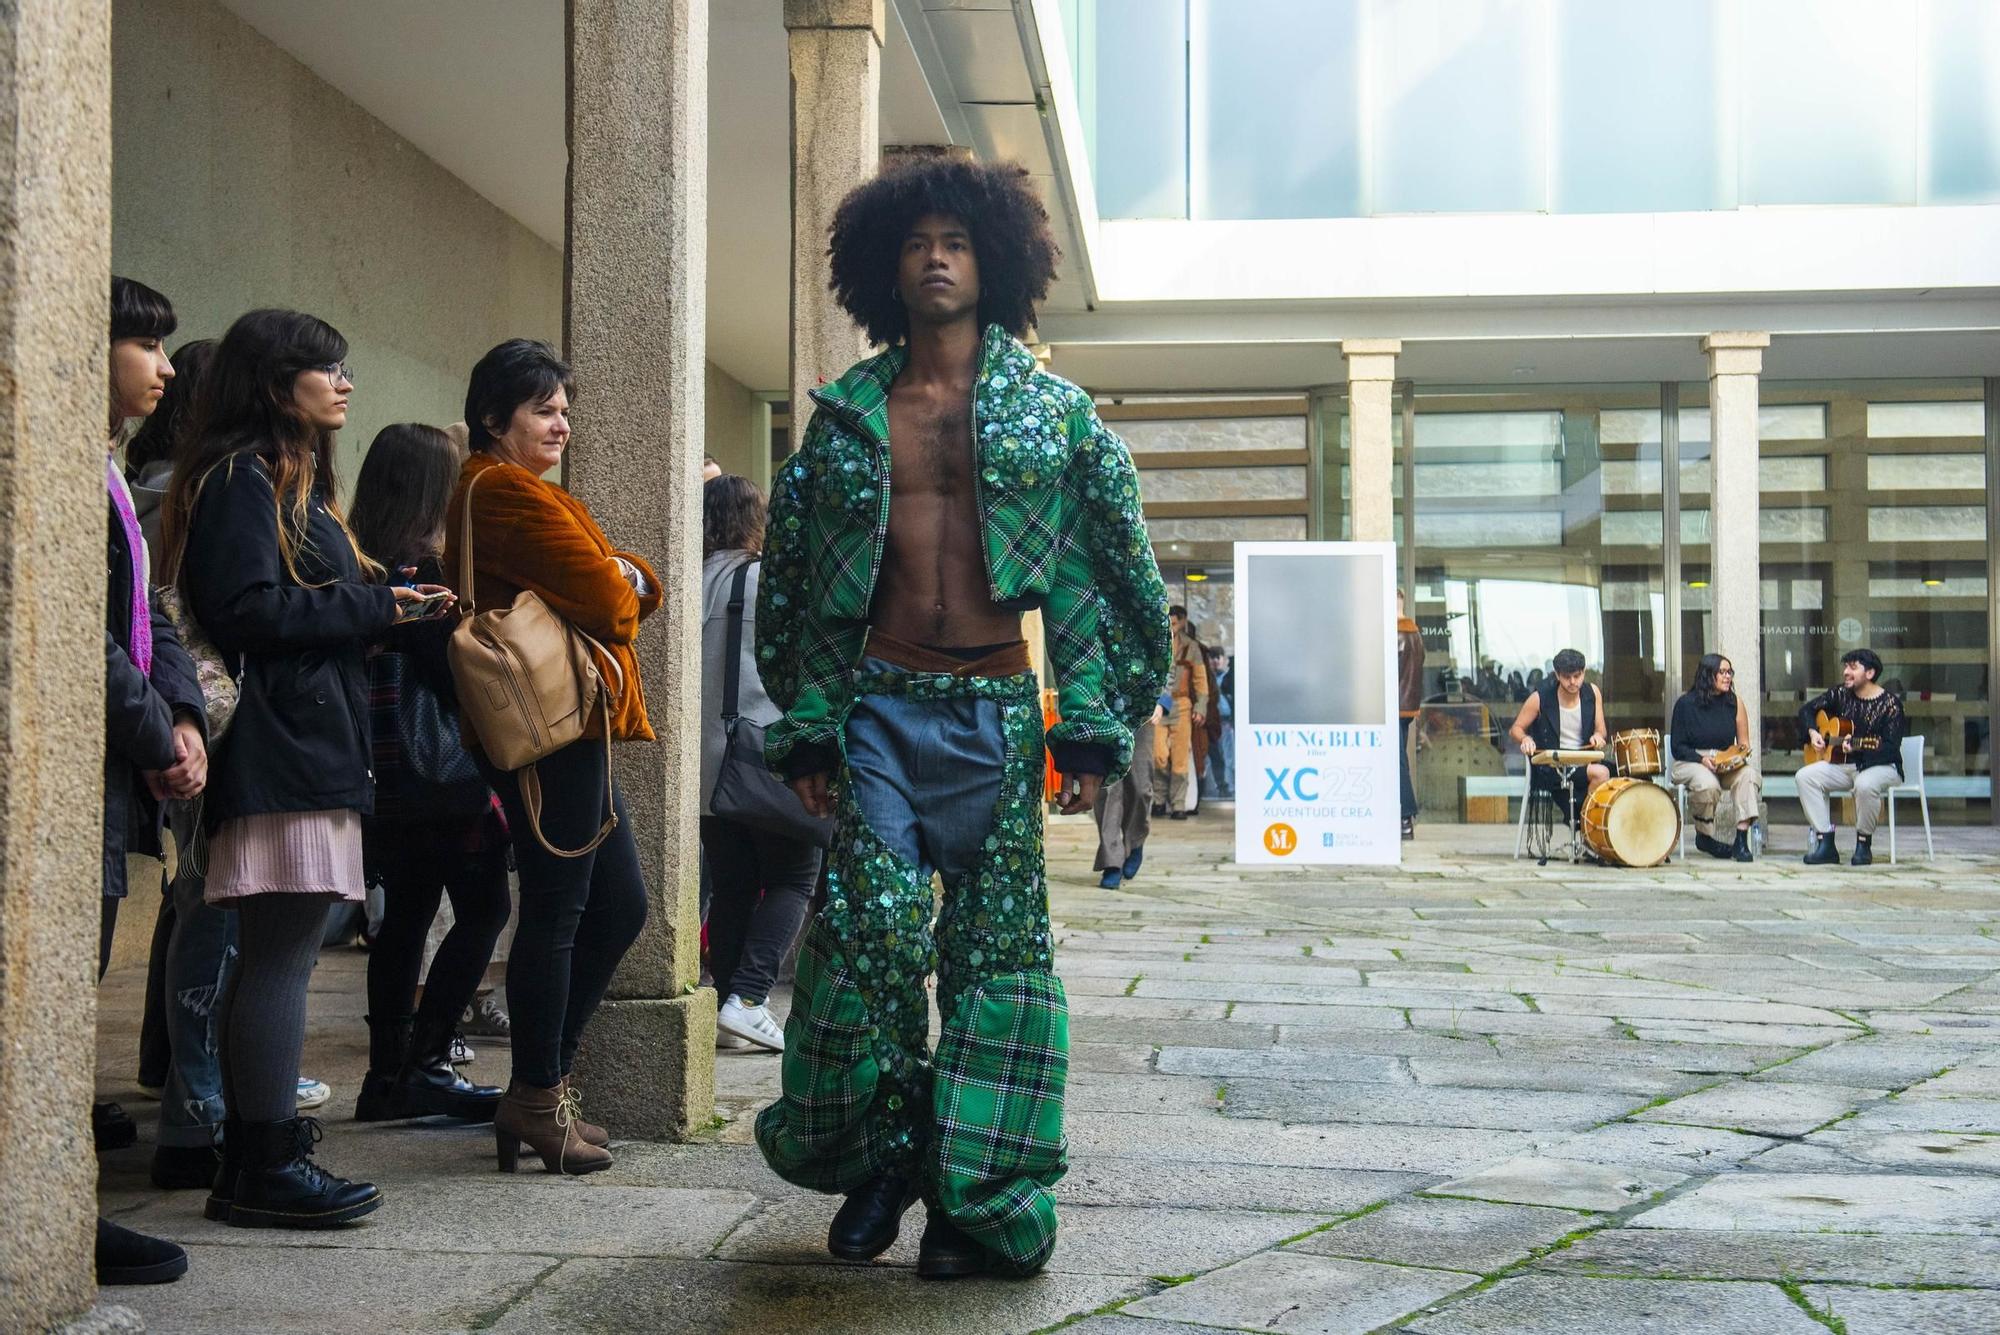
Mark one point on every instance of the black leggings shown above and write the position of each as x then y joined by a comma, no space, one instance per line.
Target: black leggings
417,867
578,915
262,1027
762,887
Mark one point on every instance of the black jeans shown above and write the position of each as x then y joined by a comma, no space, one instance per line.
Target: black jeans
417,867
1403,763
762,887
578,915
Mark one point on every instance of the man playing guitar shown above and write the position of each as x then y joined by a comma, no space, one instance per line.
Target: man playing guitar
1866,763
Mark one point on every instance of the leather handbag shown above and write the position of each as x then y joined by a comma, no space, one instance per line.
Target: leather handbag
528,682
745,789
422,770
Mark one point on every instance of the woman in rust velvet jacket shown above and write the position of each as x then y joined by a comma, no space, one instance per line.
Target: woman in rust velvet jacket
578,915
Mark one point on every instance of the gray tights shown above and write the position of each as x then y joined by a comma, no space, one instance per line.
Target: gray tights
262,1027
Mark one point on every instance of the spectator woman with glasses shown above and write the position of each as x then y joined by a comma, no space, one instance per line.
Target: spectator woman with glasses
270,570
579,914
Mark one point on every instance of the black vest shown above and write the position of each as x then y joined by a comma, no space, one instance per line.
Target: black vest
1548,722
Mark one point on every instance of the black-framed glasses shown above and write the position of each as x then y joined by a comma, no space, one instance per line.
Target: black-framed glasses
336,372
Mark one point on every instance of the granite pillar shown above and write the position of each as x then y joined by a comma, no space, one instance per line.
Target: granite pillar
1736,573
1371,440
633,316
836,59
55,267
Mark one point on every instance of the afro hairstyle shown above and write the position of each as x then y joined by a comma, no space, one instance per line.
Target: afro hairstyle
1010,237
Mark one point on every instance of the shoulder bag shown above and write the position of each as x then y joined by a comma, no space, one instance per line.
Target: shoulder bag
528,683
745,789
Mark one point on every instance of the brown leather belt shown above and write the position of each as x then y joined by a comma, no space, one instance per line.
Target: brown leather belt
1005,660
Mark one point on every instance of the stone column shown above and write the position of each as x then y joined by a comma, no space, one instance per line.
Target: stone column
836,55
1735,571
55,267
1371,441
633,313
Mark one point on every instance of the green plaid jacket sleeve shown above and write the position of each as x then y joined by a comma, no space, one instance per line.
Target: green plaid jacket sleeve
1106,616
803,661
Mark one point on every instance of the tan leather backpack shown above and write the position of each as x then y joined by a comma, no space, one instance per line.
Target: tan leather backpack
528,682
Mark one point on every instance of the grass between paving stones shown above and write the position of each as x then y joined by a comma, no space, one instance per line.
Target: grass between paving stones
1133,986
1825,1316
1529,1002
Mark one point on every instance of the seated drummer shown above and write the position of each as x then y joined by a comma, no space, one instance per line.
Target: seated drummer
1708,719
1867,765
1565,714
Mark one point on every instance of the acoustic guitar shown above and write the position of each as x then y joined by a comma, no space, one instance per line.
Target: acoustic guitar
1840,740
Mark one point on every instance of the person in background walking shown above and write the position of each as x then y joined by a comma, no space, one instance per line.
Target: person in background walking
1409,698
1173,736
155,728
272,573
579,915
427,838
761,884
1124,818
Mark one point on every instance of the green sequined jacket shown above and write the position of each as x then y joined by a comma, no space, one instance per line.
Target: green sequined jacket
1062,531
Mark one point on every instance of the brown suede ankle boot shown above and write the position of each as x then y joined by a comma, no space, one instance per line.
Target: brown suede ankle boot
589,1132
545,1121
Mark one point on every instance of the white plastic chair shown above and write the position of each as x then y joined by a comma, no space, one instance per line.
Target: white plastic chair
1680,789
1913,782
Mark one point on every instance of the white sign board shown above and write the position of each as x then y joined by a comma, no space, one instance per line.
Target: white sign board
1316,735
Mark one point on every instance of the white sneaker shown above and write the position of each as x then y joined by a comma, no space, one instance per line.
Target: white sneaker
753,1023
461,1051
313,1093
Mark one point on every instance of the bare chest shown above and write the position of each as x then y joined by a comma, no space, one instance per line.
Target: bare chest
930,449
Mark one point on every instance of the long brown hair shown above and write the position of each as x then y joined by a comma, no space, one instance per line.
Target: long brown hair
732,516
246,409
400,497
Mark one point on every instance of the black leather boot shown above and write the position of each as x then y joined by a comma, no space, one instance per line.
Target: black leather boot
388,1045
1864,851
428,1085
1824,850
110,1128
1740,850
867,1223
1715,848
216,1207
281,1186
946,1251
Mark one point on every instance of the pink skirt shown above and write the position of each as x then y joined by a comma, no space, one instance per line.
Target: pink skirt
287,853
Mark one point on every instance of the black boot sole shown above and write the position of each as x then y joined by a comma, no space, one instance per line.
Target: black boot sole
160,1272
950,1267
216,1210
246,1216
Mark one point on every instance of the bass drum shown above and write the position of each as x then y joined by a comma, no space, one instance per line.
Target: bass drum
1631,823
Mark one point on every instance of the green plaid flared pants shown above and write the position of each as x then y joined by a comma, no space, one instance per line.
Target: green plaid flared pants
979,1123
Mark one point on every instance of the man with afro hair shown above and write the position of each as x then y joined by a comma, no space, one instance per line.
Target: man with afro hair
944,487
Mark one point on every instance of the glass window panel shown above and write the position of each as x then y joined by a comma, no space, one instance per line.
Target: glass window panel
1447,481
1503,430
1962,47
1926,523
1276,115
1222,484
1641,477
1926,472
1138,134
1211,433
1635,116
1829,105
1778,524
1791,472
1964,418
1255,528
1489,528
1459,91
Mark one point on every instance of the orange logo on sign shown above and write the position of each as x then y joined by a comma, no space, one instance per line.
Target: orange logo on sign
1280,839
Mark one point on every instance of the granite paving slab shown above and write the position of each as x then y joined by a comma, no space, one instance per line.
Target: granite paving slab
1861,1258
1783,1110
1864,1311
1447,1234
1572,1184
1296,1294
1870,1203
1421,1105
1558,1305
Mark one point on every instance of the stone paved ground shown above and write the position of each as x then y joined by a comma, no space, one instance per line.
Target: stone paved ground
1470,1096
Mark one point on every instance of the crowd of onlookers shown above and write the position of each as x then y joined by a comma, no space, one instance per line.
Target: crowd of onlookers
283,730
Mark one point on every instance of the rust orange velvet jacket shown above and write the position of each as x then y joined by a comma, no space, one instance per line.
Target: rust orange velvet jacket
531,534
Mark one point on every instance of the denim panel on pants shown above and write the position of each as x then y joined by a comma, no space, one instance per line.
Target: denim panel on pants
578,915
763,886
200,956
925,774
